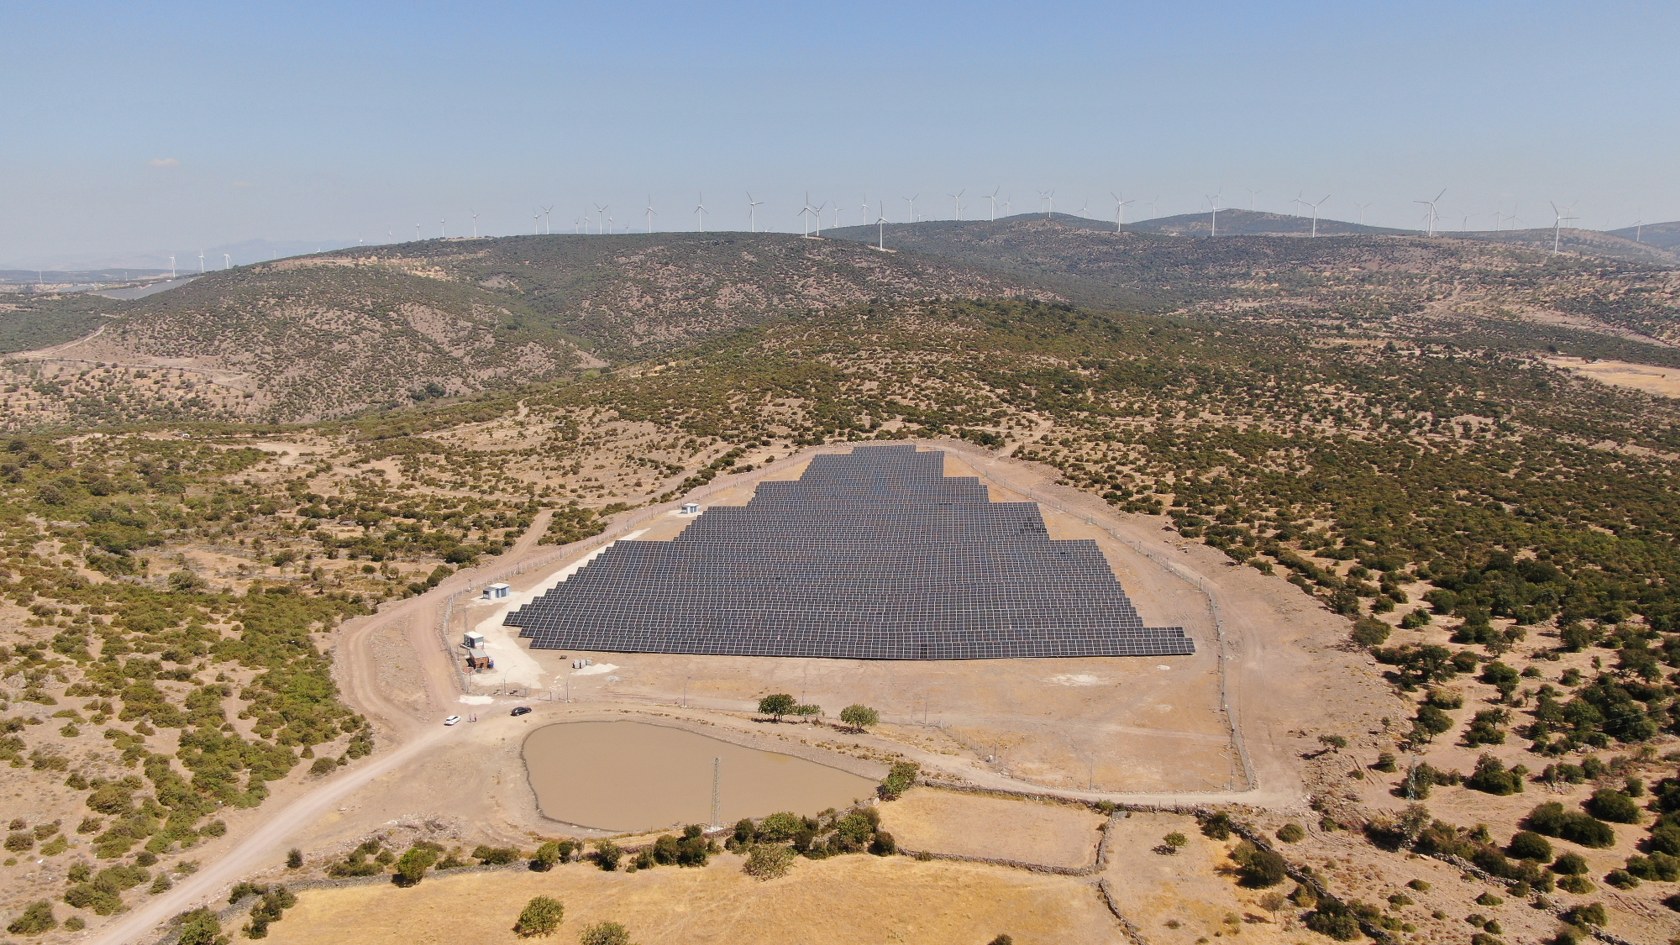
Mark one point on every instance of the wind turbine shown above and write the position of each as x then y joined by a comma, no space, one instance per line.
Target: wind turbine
651,213
1430,230
1252,194
863,210
1120,210
201,264
547,219
1213,226
1639,230
700,209
816,215
1315,212
752,213
1050,196
475,223
440,229
958,198
1557,227
1362,207
536,219
601,219
227,261
993,198
910,200
417,232
172,267
881,230
1006,205
1154,207
805,216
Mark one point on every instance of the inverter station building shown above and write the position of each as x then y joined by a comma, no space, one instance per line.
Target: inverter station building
872,554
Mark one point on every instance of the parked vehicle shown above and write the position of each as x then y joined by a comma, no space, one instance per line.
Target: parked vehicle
452,720
522,710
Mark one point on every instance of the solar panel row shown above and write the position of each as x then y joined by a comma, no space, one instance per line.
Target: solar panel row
875,554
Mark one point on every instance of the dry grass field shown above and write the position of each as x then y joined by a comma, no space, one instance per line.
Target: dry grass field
1662,381
857,899
1043,834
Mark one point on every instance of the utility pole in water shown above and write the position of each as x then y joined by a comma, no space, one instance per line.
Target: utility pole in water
717,774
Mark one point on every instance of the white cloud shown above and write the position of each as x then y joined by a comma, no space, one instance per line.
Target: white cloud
165,162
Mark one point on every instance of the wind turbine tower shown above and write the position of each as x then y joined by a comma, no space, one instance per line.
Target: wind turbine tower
172,267
881,232
536,220
911,200
1120,210
958,198
993,198
601,218
547,218
201,264
475,223
1314,207
805,217
700,210
227,261
1430,227
1213,223
1557,227
752,213
1362,208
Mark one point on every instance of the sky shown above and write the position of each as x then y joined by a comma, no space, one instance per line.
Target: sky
135,130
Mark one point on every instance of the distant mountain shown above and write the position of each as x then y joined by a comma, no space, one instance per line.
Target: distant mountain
1661,235
1581,242
76,276
336,333
1234,222
133,263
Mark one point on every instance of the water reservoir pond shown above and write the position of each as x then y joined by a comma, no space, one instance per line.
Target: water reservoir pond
634,776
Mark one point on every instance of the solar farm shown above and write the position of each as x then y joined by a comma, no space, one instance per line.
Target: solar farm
874,554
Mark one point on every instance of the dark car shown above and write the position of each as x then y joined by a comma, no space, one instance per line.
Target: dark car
522,710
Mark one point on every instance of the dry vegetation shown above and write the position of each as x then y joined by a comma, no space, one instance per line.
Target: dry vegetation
1373,419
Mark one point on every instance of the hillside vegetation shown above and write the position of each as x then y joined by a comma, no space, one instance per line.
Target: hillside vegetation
339,333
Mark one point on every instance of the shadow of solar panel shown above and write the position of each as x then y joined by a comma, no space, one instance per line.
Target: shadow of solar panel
872,554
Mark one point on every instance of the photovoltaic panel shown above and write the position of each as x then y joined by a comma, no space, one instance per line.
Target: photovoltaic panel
872,554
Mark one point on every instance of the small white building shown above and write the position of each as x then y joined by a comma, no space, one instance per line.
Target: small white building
473,640
496,592
691,508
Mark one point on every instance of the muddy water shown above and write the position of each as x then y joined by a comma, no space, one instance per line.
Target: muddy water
633,776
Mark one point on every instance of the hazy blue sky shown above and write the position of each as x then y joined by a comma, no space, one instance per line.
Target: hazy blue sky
171,127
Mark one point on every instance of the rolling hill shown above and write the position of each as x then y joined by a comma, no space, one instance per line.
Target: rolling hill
1661,235
337,333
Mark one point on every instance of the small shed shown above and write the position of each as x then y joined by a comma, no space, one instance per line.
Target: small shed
691,508
473,640
479,659
496,592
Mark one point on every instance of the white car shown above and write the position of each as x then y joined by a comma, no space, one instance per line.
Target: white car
452,720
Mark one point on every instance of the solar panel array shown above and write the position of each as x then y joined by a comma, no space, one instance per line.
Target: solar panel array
873,554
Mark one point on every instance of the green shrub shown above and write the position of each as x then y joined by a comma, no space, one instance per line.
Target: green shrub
36,918
541,917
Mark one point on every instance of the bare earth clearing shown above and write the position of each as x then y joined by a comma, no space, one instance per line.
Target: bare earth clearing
1664,382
